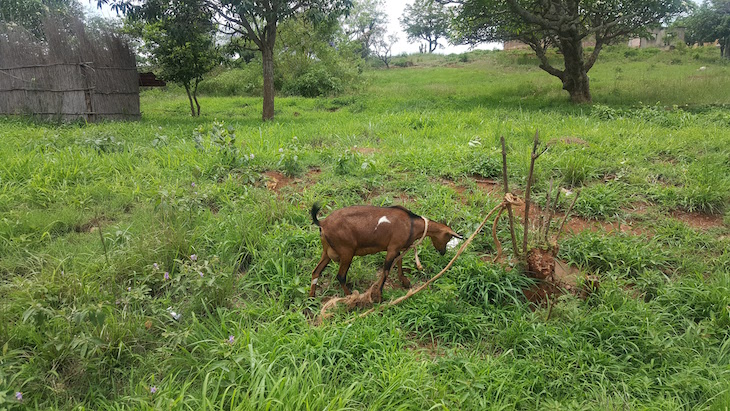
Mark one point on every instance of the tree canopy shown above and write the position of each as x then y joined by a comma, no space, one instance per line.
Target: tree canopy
31,13
708,23
366,24
255,23
180,36
426,20
564,24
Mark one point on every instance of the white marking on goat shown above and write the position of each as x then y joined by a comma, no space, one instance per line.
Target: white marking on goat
382,220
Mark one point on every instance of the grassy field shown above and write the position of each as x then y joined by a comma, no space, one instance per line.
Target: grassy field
165,264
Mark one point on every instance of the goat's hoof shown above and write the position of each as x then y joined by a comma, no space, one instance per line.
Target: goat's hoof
406,283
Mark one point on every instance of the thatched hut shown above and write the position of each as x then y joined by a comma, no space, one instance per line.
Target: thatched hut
68,75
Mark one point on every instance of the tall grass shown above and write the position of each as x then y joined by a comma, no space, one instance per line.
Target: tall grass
159,265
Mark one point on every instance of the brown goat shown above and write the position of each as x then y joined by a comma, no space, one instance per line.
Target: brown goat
363,230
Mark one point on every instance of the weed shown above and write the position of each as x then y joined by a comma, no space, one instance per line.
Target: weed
104,143
289,159
220,140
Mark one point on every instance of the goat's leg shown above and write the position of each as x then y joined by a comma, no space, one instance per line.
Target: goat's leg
318,271
345,260
403,279
389,258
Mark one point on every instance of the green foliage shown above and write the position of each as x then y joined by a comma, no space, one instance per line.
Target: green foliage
314,60
93,215
364,24
220,141
541,26
289,161
257,23
315,82
619,255
234,82
600,200
708,23
180,36
426,20
484,165
30,14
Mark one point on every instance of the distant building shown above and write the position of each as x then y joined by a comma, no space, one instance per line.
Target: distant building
515,45
662,38
518,45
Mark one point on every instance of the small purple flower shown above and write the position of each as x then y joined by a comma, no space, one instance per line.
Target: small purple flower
19,396
153,389
192,184
167,275
156,267
194,257
251,156
230,339
281,150
129,288
201,274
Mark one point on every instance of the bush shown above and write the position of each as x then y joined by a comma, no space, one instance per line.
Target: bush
316,81
247,81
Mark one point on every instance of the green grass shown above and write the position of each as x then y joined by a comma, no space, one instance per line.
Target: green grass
93,216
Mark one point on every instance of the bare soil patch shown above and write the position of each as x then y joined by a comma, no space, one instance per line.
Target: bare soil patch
493,187
699,221
576,225
276,181
92,225
564,279
365,150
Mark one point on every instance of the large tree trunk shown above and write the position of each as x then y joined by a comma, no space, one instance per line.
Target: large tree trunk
575,76
268,63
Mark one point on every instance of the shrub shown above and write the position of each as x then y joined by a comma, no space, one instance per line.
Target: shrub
247,81
316,81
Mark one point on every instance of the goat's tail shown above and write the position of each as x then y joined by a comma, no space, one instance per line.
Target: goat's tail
315,209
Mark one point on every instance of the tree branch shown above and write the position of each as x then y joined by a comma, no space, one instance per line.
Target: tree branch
539,50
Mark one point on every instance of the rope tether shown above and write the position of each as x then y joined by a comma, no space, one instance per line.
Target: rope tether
509,199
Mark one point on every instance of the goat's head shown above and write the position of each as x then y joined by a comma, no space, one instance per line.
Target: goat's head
440,235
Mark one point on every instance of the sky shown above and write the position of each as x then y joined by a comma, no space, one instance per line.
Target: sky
394,9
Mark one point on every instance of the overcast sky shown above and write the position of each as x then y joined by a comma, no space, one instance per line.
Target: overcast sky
394,9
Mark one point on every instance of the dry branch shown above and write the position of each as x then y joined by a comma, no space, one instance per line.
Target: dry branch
509,206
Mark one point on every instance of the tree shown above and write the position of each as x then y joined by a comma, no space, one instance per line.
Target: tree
315,59
710,22
366,22
383,48
256,22
564,24
180,37
426,20
31,13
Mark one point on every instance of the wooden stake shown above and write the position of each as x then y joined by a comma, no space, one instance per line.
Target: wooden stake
534,156
509,206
